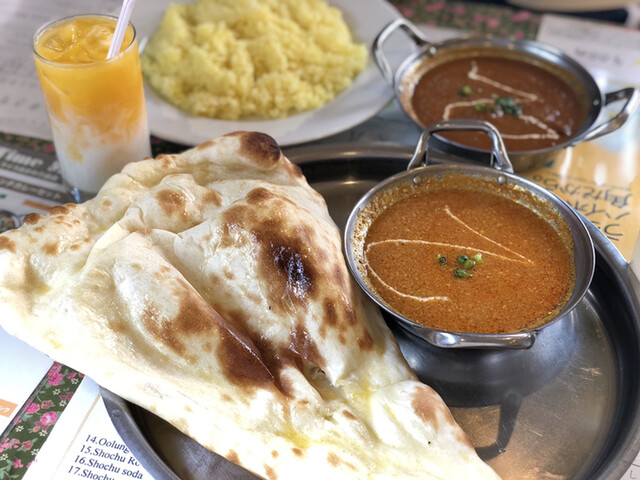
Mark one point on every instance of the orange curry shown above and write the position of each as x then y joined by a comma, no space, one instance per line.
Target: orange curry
464,260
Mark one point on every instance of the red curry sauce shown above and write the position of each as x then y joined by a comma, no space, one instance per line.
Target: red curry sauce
530,106
523,275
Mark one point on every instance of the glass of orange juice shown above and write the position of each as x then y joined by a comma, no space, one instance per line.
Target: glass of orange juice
95,105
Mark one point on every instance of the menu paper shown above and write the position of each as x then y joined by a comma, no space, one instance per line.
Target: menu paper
30,182
85,444
608,51
21,370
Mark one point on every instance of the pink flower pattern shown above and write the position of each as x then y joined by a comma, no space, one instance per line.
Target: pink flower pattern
504,21
66,397
32,408
521,16
48,419
30,429
435,7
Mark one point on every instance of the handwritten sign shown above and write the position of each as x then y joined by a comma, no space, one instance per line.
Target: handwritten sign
607,207
601,184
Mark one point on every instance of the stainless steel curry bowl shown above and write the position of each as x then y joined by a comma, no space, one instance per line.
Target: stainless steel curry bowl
501,172
428,54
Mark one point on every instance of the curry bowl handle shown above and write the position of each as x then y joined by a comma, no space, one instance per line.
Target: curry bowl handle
451,340
499,158
632,101
400,23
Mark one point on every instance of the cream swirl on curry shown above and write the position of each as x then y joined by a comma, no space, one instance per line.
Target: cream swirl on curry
514,256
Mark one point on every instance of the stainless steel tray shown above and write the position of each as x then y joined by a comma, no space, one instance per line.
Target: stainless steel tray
568,408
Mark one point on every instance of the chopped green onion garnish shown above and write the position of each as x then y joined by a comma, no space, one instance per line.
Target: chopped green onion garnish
477,258
465,91
469,264
462,273
507,104
462,259
442,260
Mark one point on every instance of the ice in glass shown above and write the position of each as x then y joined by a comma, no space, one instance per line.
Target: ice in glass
96,105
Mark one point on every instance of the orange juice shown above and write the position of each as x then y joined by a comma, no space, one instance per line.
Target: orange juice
96,105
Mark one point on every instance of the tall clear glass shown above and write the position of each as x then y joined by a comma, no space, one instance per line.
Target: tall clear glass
95,105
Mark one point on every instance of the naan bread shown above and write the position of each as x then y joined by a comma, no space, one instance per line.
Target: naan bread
210,288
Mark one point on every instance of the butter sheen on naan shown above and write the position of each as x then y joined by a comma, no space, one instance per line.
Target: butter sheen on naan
210,288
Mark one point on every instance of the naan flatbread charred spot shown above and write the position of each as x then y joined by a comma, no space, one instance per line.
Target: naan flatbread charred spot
210,288
7,244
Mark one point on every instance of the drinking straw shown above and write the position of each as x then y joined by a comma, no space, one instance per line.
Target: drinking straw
121,27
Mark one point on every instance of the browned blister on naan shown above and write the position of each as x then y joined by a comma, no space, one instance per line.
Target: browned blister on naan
210,288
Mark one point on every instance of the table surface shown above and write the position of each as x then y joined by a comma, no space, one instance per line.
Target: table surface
601,179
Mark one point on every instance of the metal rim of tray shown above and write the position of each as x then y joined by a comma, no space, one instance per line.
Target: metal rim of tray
352,163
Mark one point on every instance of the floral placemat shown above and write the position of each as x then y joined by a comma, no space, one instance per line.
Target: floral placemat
23,438
504,21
